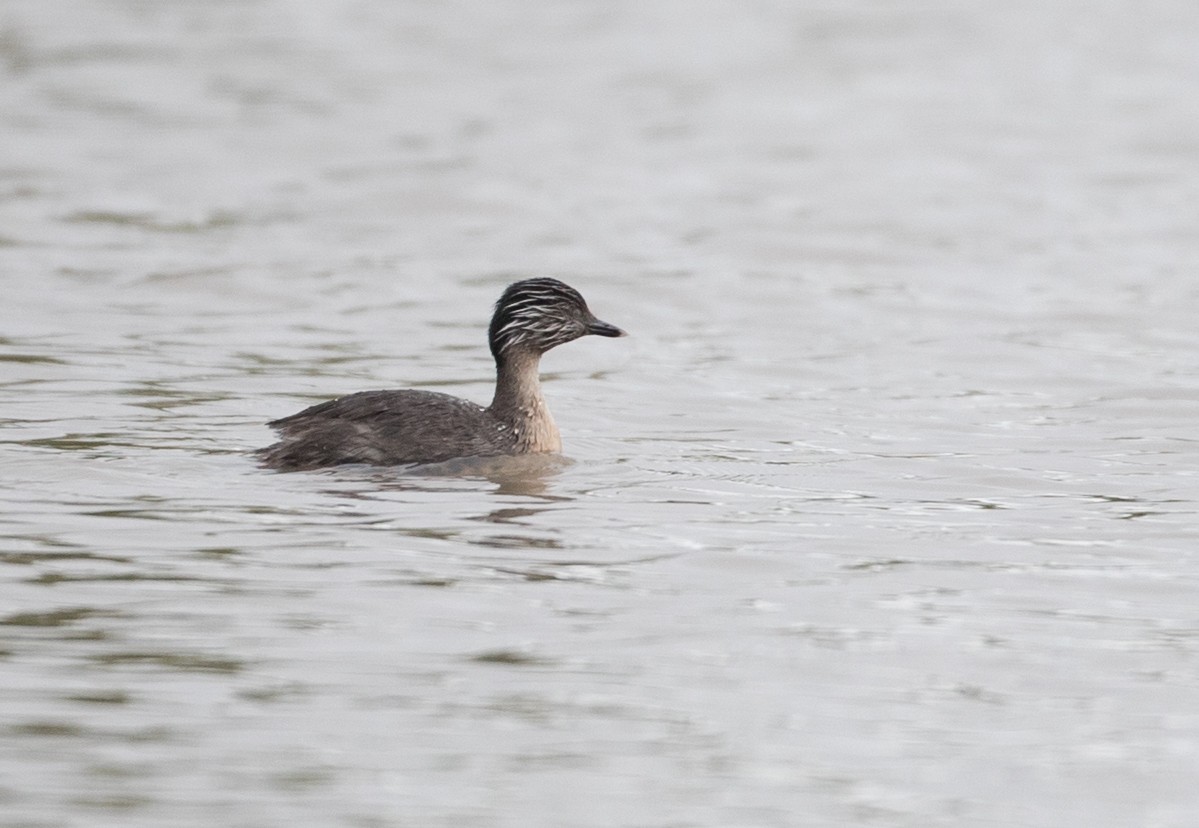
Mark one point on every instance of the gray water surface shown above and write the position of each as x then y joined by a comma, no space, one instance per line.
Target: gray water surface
885,514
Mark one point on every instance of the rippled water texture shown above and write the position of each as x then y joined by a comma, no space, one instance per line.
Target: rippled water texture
884,516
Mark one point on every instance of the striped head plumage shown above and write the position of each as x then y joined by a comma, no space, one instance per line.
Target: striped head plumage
539,314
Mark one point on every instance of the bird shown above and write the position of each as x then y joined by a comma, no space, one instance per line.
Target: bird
409,426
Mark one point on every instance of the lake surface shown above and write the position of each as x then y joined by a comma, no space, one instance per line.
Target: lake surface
886,514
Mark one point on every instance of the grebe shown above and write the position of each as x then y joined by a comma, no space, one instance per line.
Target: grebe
387,428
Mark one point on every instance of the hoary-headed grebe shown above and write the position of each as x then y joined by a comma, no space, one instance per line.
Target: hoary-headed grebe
386,428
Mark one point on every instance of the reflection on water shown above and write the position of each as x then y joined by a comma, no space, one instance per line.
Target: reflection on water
526,475
886,512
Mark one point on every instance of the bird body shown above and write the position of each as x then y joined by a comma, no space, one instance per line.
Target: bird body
410,426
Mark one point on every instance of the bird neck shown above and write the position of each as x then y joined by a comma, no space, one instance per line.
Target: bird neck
519,403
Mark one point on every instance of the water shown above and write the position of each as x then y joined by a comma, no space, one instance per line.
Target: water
885,514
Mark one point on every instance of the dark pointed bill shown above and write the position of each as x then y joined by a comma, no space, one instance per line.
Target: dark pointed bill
600,328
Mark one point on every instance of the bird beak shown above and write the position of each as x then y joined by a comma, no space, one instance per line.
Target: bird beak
604,329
